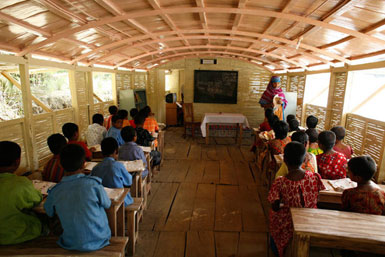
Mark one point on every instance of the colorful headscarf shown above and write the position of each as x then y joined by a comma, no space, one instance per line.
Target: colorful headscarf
270,92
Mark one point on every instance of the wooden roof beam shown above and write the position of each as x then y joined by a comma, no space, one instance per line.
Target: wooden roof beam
207,46
238,17
203,17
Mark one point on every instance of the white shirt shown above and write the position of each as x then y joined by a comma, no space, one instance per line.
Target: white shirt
95,134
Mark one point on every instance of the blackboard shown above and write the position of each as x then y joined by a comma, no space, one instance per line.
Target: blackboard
215,86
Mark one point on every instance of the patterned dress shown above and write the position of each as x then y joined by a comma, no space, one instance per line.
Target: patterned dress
332,166
356,200
276,146
299,194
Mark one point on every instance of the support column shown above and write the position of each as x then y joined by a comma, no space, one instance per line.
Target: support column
90,90
74,95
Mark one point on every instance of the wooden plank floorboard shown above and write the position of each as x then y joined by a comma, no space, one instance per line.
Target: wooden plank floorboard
179,171
147,243
253,218
228,175
252,244
246,153
200,244
166,171
181,211
211,174
235,153
226,244
245,177
195,171
222,152
171,244
195,152
209,153
227,209
204,208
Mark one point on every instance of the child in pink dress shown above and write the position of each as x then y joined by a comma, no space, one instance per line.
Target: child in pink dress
299,189
340,146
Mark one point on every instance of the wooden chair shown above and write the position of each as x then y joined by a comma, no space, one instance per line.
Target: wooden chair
188,118
47,246
134,213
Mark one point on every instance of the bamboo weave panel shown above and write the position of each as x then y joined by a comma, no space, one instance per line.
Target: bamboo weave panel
284,82
81,88
317,111
62,117
338,98
123,81
43,127
140,80
14,133
83,121
297,84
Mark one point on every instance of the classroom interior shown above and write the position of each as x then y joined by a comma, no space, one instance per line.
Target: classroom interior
63,61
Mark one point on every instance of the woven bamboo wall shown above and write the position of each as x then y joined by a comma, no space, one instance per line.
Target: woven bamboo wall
338,89
140,80
319,112
297,84
366,136
82,101
123,81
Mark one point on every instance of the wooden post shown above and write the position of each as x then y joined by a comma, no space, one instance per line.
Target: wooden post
114,90
30,142
329,107
90,90
74,95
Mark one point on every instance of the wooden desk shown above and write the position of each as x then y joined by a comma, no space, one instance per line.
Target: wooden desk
115,214
336,229
332,195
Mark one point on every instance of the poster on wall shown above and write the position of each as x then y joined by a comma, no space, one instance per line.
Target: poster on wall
215,86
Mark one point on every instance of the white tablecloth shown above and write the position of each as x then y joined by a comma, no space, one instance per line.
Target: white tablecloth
223,118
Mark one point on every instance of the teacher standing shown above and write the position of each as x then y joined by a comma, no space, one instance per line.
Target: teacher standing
274,98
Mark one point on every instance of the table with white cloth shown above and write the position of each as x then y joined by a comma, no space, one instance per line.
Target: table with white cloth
223,118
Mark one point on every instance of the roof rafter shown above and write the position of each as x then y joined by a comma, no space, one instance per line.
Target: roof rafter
238,17
207,46
255,12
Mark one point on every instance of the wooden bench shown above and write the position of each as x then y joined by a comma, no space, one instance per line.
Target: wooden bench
134,214
336,229
47,246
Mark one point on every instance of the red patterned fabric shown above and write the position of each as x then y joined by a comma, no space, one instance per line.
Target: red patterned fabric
298,194
276,146
132,123
107,122
151,125
356,200
332,166
264,126
53,171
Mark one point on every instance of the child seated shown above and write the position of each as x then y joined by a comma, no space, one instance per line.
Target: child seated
71,132
313,141
367,197
290,117
311,122
133,113
265,126
113,173
114,131
130,151
96,132
124,115
17,197
293,126
144,137
331,164
108,121
299,189
340,146
79,201
310,162
53,171
150,123
277,145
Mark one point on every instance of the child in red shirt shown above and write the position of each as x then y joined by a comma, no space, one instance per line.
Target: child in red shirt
133,113
113,110
71,132
53,171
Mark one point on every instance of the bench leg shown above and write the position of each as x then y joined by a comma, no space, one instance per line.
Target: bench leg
131,232
300,245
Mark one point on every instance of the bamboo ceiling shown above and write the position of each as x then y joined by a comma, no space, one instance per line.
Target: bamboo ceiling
140,34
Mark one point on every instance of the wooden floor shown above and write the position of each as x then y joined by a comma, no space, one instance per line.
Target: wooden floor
204,202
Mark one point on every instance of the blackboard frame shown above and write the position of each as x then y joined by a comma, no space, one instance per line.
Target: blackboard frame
215,78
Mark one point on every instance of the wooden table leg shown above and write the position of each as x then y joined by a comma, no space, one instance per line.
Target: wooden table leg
207,133
300,245
240,133
121,220
112,219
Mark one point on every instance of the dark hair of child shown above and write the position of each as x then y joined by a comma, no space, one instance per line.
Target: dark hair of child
112,109
123,114
98,118
280,129
56,142
327,139
300,137
10,152
313,135
294,154
72,157
273,120
115,118
147,110
109,145
290,117
339,131
311,121
69,130
144,112
139,119
128,134
133,112
293,125
363,166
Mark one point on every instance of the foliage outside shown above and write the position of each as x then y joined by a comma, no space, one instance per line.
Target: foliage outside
102,85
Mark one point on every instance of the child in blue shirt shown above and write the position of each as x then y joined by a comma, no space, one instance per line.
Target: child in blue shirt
113,173
114,131
130,151
79,201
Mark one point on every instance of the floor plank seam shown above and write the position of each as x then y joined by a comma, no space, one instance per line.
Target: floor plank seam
172,203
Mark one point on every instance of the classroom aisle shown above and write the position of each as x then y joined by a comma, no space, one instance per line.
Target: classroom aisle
204,202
